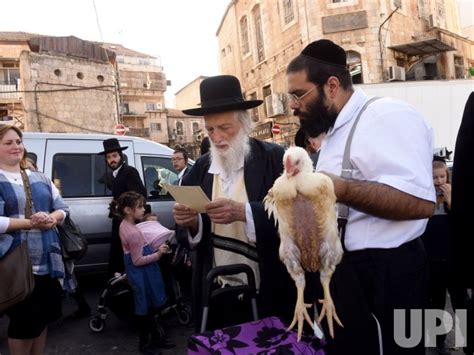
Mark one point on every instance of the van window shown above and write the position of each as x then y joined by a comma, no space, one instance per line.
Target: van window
157,172
81,175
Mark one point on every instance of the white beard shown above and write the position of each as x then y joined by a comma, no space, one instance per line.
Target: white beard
234,157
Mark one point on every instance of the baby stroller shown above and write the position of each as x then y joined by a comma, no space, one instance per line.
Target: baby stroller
117,296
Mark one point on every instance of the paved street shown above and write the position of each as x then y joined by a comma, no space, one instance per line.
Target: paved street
75,337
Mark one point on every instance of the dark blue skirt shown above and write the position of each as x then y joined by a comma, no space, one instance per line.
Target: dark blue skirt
147,283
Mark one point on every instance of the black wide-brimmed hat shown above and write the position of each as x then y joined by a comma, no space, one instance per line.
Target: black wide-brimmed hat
111,145
221,93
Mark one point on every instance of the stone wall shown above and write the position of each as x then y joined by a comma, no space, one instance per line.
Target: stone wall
188,96
12,50
65,100
157,120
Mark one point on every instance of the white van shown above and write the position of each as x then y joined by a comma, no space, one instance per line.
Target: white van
72,163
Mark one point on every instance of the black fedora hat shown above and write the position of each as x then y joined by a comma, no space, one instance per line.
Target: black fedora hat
111,145
221,93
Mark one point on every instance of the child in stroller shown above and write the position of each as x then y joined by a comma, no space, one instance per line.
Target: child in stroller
145,287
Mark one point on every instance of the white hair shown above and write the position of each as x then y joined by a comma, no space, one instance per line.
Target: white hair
244,118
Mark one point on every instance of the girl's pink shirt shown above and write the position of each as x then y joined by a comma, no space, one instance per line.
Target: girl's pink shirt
133,243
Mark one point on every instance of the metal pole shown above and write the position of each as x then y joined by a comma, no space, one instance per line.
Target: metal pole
36,107
380,41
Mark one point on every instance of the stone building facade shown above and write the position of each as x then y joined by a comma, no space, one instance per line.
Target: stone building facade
185,131
142,84
64,84
385,40
11,45
191,127
188,96
65,94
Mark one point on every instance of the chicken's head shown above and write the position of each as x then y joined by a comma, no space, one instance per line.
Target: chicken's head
296,160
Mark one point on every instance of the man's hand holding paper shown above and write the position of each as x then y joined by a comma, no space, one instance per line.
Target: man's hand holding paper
225,211
186,217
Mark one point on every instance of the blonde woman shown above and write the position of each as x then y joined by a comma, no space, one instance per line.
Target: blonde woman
29,318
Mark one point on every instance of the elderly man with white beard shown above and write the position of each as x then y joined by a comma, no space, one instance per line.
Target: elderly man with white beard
236,175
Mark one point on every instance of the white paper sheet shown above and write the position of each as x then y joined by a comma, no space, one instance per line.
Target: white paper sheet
190,196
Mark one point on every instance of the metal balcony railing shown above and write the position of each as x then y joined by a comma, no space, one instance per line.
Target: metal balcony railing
9,83
9,92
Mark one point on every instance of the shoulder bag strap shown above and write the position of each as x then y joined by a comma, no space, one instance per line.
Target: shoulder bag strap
28,196
346,173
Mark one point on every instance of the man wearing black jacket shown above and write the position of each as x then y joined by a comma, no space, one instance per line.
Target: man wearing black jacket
461,211
123,178
236,175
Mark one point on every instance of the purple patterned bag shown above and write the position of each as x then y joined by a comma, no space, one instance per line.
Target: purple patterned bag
265,336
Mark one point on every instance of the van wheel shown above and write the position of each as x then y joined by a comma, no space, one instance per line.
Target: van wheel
184,317
97,324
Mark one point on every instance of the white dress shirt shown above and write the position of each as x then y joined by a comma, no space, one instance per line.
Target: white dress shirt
392,145
229,182
180,175
116,171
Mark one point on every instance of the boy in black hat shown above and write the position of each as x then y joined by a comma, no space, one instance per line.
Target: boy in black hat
236,176
389,192
123,178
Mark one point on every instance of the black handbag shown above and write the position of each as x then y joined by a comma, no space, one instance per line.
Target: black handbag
74,245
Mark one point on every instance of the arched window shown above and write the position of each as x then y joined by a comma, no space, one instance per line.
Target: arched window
355,66
257,18
179,128
195,127
244,35
288,11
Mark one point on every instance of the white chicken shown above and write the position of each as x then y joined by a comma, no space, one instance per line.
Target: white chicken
304,206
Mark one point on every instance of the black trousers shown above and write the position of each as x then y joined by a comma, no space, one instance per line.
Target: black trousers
441,280
116,252
375,282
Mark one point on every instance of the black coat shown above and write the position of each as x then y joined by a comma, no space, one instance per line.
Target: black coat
277,290
462,205
126,180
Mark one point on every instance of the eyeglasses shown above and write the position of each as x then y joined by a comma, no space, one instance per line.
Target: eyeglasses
297,99
176,159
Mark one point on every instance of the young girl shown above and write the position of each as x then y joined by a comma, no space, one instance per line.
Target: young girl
438,243
143,271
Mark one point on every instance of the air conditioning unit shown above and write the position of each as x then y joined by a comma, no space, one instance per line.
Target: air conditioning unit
159,106
396,73
274,105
